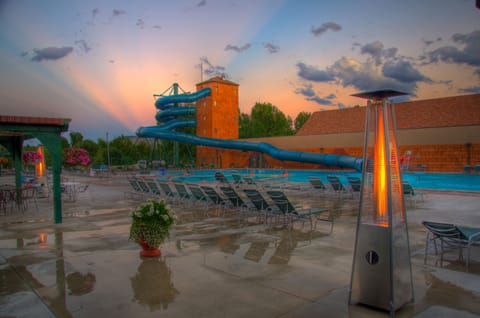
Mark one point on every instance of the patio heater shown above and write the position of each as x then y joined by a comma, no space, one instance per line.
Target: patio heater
381,269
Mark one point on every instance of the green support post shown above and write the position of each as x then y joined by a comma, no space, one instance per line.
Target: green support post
53,144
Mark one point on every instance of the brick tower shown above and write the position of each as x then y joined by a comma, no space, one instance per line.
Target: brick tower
217,117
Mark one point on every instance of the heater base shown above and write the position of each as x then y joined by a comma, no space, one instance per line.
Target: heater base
375,281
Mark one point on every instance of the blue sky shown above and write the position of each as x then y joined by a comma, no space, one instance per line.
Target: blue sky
100,62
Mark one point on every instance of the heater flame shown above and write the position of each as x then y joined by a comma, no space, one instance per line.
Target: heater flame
40,166
380,173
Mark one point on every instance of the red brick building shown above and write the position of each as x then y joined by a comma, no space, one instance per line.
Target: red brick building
440,134
217,117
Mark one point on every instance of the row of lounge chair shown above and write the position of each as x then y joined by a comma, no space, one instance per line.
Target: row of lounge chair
336,186
354,188
333,185
269,206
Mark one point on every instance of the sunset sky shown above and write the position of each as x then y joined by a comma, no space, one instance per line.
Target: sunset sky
100,62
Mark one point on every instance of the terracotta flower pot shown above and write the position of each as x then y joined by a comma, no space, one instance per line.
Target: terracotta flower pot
149,251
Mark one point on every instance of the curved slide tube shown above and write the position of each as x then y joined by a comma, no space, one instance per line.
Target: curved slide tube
169,110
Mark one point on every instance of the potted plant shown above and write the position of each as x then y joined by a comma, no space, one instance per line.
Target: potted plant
151,223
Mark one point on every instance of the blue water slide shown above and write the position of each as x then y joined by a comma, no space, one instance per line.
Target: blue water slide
167,117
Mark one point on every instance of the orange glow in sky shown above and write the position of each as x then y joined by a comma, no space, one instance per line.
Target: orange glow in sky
100,62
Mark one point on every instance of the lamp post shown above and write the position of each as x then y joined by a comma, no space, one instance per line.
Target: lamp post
381,269
108,157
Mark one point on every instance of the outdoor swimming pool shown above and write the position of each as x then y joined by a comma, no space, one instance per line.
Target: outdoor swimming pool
420,180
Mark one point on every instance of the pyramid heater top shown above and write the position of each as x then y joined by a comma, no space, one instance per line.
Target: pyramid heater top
379,94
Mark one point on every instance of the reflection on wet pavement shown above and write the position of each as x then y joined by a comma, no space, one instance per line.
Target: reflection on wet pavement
211,266
152,284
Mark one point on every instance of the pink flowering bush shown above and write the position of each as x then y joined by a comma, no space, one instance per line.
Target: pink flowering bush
31,157
76,157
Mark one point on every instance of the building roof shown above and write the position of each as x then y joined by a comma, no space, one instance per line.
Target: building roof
218,79
453,111
24,126
5,119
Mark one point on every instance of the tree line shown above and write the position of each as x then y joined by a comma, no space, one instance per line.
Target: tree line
265,120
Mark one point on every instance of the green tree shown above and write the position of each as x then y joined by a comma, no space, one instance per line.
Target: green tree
266,120
64,142
100,156
301,119
89,145
122,151
245,126
142,150
75,139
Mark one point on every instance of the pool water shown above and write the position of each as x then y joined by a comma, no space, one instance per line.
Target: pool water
420,180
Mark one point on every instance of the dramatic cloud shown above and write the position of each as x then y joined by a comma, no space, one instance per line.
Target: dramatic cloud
309,93
382,69
377,52
390,52
271,48
51,53
427,42
209,69
430,42
402,71
83,46
321,101
331,96
366,76
470,90
306,90
95,12
374,49
311,73
237,49
202,3
317,31
469,54
140,23
117,12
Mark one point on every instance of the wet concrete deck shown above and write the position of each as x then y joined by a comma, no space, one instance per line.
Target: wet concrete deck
214,266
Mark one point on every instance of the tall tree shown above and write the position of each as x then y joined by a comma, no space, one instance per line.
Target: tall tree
301,119
122,151
266,120
89,145
245,126
75,138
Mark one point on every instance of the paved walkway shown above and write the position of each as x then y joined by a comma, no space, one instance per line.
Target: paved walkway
215,266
